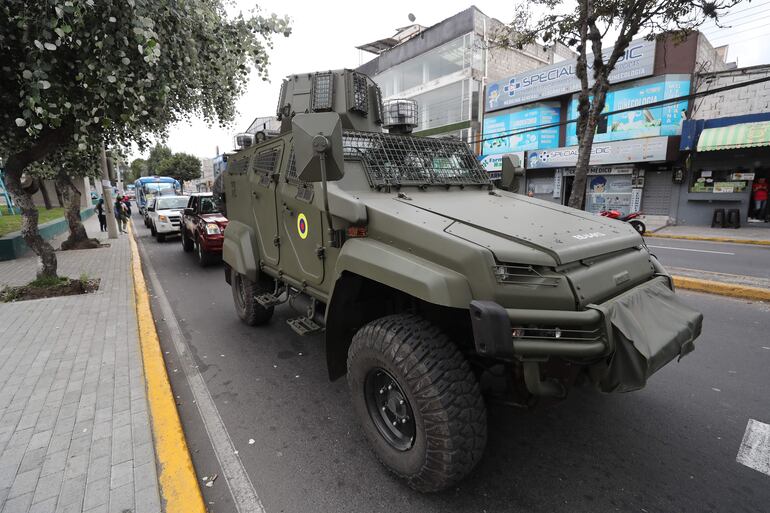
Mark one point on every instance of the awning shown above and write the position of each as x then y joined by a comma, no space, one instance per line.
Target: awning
744,135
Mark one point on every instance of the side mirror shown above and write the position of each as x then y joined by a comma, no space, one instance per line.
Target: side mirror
318,135
512,170
189,211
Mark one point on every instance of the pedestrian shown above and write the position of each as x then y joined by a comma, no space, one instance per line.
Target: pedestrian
121,215
759,196
127,202
102,215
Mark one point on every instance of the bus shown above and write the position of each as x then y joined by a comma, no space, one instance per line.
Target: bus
148,186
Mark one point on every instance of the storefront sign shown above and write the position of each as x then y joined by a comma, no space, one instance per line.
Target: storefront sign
559,79
645,122
649,149
494,163
596,170
740,176
724,187
557,183
521,119
636,200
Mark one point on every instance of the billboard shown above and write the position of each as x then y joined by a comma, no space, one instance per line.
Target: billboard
645,122
519,119
559,79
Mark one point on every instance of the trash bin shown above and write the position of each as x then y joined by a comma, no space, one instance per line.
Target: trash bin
718,219
733,218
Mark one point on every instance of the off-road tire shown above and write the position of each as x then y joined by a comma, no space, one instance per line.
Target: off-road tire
250,312
442,391
204,257
187,244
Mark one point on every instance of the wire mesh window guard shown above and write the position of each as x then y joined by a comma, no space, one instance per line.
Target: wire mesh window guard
265,161
291,173
407,160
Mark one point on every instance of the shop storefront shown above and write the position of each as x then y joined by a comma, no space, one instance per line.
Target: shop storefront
728,162
616,176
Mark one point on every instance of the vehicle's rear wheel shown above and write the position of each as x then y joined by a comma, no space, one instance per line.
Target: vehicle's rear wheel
204,257
245,294
187,244
418,401
638,226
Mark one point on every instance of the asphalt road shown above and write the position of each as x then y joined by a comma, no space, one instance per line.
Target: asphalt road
671,447
721,257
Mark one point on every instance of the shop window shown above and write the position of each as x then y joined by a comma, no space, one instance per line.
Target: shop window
720,181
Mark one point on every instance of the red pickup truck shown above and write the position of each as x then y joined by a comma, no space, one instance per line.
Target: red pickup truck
203,226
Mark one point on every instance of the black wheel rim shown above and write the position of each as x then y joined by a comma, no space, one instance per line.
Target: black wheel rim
389,409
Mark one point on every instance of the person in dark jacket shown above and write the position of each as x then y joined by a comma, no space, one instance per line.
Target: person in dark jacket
121,214
102,215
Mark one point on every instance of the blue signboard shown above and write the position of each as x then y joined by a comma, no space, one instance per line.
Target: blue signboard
645,122
520,119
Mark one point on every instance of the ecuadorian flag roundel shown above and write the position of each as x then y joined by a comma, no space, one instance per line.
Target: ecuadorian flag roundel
302,227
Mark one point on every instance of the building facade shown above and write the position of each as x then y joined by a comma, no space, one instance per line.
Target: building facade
445,68
636,163
727,145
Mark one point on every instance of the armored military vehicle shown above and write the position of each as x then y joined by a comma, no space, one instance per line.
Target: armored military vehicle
421,274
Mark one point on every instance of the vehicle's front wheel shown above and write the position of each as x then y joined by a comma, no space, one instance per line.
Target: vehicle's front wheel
418,401
160,236
153,232
187,244
245,294
204,257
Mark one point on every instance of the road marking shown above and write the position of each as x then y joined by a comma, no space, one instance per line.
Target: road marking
693,250
238,481
755,447
178,483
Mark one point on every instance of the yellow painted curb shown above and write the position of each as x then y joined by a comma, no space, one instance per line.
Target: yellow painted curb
755,242
722,289
178,482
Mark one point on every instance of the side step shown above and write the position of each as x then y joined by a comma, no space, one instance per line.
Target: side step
303,326
268,300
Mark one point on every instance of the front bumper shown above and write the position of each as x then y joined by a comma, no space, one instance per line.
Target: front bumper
212,243
626,339
166,227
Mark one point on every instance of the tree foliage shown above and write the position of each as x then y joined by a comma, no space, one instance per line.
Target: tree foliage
158,154
138,168
84,72
585,27
181,166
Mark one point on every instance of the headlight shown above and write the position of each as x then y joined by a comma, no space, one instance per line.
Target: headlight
163,219
212,229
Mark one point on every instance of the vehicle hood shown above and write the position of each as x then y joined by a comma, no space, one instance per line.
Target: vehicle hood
214,218
566,234
166,211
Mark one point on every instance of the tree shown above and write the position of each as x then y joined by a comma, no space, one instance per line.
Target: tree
158,154
181,166
589,23
115,71
138,168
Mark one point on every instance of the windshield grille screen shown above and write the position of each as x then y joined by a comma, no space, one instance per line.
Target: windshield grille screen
407,160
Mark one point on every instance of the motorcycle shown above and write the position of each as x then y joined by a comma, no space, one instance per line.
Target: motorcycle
631,219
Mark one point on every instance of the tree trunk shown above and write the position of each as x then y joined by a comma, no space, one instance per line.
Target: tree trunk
44,193
585,144
29,219
78,238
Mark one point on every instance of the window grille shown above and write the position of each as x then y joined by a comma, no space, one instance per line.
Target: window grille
391,159
291,173
265,161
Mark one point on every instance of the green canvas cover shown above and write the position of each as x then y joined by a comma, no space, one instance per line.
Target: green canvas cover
650,326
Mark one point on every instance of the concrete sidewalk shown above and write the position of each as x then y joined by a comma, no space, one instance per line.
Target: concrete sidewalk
757,233
75,431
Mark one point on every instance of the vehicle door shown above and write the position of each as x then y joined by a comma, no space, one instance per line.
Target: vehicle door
302,229
190,219
263,176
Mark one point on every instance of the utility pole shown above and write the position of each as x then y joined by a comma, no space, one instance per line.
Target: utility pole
109,210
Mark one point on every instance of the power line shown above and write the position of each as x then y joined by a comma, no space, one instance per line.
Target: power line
659,103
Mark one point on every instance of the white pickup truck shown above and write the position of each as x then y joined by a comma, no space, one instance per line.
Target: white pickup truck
166,216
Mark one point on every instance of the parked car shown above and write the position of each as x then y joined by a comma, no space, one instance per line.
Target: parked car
203,226
166,216
146,214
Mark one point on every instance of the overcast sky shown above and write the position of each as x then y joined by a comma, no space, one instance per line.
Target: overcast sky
324,36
